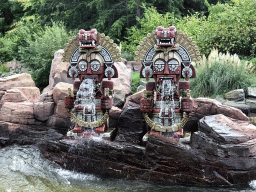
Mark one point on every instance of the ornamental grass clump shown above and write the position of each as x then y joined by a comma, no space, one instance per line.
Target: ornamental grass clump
220,73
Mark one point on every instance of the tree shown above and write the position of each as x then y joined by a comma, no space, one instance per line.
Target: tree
9,11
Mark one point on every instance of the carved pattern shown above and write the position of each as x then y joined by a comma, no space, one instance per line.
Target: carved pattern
186,46
70,48
103,40
109,44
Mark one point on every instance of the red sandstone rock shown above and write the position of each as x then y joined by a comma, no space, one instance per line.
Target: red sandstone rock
204,107
135,98
21,113
122,84
61,111
60,91
31,93
43,110
58,71
19,80
14,95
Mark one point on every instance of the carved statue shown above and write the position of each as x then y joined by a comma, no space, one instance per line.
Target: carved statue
167,55
91,57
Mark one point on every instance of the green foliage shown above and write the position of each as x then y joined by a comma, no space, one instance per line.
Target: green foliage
9,12
5,51
27,29
220,73
39,53
135,82
128,56
230,27
3,68
150,20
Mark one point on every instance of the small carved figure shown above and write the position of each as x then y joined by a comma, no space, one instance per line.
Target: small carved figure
166,104
90,62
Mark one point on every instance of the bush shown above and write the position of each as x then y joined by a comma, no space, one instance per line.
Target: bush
128,56
219,74
150,20
39,53
3,68
135,82
230,27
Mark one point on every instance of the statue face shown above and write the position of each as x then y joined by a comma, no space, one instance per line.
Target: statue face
90,66
167,67
165,36
87,39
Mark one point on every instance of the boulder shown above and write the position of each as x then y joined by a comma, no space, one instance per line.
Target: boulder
114,114
252,104
131,126
31,93
238,105
14,95
60,123
18,80
60,91
235,95
58,71
43,110
6,127
60,110
134,100
251,91
122,84
204,107
134,66
140,88
229,147
20,113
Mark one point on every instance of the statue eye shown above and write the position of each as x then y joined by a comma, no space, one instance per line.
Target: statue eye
82,65
95,65
173,64
159,65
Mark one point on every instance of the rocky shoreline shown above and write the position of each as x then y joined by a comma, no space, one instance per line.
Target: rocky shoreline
221,152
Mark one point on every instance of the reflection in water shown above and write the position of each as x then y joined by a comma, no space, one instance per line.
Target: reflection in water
22,168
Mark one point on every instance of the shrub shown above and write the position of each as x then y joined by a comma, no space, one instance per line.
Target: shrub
150,20
218,75
39,53
3,68
135,82
230,27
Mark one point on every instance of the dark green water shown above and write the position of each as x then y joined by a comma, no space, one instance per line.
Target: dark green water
22,168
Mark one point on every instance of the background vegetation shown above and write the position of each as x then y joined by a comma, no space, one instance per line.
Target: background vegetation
32,30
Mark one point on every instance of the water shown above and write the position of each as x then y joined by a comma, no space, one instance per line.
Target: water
22,168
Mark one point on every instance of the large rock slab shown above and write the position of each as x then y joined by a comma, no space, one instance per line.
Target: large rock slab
14,95
60,91
44,107
19,80
122,84
251,91
31,93
43,110
20,113
58,71
20,94
131,126
227,130
235,95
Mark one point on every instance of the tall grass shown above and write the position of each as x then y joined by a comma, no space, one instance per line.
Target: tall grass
220,73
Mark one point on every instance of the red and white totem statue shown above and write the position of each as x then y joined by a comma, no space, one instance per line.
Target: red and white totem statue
92,57
167,56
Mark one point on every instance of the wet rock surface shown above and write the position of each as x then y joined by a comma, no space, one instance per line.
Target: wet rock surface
222,151
26,134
